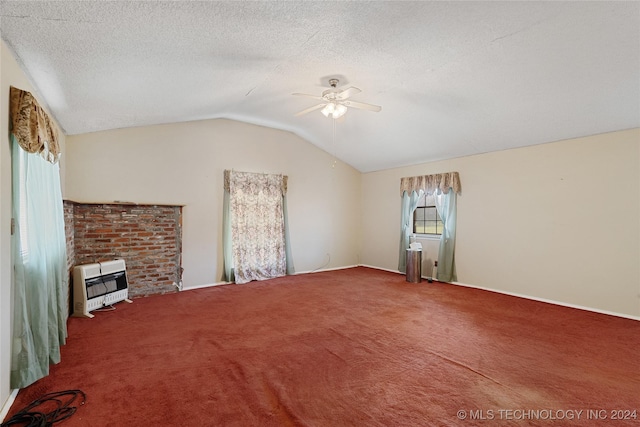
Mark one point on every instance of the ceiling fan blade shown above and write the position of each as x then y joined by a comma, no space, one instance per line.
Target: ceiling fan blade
347,93
309,96
308,110
363,106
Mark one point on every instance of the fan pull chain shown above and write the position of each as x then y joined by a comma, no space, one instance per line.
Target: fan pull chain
333,166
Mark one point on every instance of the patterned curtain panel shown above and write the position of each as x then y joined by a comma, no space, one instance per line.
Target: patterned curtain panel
257,225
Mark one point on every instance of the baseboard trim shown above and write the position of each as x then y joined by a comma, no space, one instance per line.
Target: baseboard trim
380,268
8,403
529,297
550,301
209,285
392,271
324,269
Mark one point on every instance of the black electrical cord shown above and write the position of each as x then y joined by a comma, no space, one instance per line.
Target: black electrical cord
28,417
110,307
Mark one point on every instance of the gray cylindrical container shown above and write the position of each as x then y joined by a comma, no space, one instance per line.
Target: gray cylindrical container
414,265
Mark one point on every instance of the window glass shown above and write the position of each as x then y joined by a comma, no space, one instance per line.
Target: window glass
425,218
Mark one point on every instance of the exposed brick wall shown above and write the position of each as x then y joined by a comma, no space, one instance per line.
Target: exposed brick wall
69,234
147,237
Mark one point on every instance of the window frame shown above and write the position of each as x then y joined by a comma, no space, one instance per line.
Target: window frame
422,204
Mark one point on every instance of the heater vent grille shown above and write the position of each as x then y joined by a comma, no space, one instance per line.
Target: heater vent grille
97,285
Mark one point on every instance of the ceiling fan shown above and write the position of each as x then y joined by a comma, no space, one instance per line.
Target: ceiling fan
334,101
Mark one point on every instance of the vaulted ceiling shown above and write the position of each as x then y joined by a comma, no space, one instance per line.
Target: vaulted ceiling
453,78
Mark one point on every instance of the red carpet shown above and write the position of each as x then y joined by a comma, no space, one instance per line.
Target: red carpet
356,347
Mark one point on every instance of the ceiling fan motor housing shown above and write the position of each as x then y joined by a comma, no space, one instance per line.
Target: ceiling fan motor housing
330,94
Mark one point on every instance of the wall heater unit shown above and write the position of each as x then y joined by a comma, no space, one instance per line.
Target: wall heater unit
99,285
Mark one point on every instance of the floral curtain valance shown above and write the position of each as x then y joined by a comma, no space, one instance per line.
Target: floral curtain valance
276,183
32,127
430,183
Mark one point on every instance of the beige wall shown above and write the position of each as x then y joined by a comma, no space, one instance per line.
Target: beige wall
183,163
10,75
557,221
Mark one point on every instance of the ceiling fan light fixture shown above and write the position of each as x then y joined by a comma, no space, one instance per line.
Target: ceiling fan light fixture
328,109
334,102
334,110
339,111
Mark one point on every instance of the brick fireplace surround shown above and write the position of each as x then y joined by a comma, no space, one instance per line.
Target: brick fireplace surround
147,237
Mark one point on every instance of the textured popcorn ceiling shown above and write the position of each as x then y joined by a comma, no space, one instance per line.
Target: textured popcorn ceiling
453,78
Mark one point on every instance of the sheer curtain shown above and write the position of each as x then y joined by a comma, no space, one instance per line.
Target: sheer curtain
409,203
255,227
40,266
446,206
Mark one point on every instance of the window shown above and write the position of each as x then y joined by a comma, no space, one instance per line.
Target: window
426,219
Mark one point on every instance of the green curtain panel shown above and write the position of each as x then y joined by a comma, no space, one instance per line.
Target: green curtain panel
41,287
227,254
409,203
446,206
287,239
